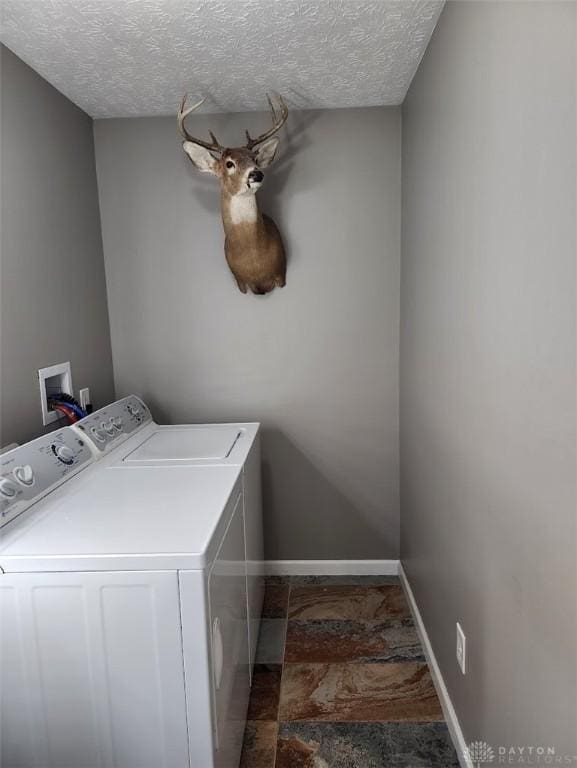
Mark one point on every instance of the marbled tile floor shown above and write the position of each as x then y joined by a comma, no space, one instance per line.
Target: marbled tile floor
341,680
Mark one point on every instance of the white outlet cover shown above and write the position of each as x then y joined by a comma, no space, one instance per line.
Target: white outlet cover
84,397
461,649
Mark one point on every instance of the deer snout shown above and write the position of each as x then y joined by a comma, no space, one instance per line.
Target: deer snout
256,176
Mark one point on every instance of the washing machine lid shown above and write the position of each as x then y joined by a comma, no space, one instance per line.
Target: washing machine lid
188,444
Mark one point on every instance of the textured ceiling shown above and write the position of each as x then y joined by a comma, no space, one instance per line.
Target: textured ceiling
136,57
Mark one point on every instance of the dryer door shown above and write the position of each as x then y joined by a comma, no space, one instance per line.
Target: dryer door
229,641
91,669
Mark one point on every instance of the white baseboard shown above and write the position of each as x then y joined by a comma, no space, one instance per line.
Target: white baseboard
442,692
331,567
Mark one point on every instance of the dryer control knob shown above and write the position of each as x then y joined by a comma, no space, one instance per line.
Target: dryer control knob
7,489
24,475
64,454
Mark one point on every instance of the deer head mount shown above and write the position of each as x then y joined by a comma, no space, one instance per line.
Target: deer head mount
253,246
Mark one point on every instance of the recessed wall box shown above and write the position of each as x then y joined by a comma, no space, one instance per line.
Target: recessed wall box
54,379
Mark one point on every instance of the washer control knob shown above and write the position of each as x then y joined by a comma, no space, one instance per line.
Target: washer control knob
24,475
108,427
7,489
98,434
117,421
64,454
134,409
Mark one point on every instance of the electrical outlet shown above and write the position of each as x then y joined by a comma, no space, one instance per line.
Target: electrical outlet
84,396
461,649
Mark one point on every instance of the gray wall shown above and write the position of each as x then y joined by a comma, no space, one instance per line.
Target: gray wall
53,295
488,363
316,362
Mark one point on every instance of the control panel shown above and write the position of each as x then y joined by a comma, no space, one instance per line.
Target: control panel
111,425
32,470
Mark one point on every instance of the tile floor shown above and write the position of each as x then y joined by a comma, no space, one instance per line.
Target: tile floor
341,680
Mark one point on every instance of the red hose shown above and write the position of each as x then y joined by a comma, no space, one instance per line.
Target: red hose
68,413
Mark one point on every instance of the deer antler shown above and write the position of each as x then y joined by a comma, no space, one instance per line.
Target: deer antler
183,113
278,120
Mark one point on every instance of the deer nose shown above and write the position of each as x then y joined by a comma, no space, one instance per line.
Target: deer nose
256,175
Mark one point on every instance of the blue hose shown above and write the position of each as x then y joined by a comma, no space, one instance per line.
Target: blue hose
80,412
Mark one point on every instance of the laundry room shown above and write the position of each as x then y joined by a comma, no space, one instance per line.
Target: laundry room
288,350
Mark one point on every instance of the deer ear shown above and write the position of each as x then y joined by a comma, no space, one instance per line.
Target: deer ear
201,157
265,153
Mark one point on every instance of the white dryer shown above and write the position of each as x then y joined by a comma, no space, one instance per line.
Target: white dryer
124,598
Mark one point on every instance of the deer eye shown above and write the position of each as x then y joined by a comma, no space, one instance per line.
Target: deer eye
229,164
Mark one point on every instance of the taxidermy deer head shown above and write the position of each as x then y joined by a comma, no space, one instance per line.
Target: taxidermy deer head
252,245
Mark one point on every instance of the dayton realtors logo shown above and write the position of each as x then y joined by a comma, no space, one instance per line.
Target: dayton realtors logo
479,754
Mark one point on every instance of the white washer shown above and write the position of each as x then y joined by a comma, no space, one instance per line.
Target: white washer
147,445
124,620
